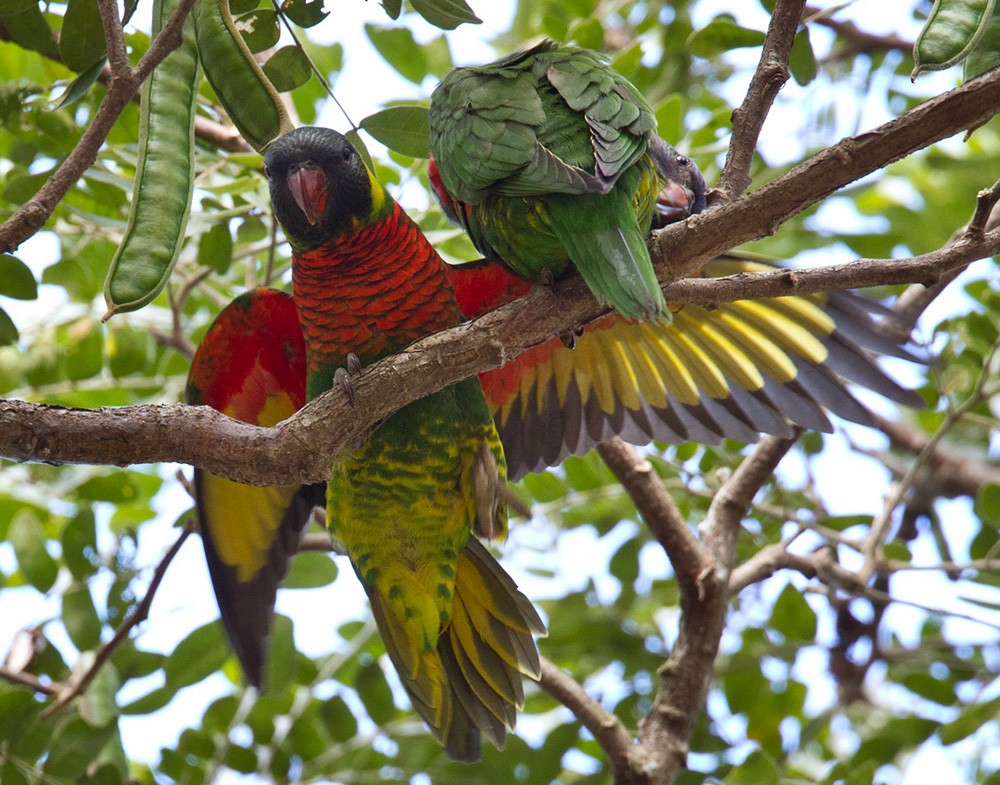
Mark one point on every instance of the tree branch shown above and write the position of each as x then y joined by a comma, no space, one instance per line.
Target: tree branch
264,456
78,685
768,79
609,731
860,41
659,511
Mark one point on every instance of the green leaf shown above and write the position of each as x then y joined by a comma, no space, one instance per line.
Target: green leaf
930,688
259,29
950,33
27,537
801,60
79,86
18,710
793,617
400,128
987,505
75,746
29,29
399,49
375,694
10,7
338,719
8,330
721,35
309,570
392,7
196,657
80,618
305,13
82,41
969,721
758,769
16,279
216,248
670,117
446,14
100,705
84,343
127,349
288,68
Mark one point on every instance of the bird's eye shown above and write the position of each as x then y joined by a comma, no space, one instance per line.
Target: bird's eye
347,153
683,161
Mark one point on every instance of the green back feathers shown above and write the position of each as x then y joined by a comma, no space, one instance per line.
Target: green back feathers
548,150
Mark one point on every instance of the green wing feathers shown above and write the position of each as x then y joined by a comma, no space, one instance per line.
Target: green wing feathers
545,156
608,248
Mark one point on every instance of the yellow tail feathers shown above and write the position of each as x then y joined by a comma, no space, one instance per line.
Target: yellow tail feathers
469,683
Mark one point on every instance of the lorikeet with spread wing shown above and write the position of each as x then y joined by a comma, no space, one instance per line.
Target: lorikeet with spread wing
733,371
251,365
404,505
548,152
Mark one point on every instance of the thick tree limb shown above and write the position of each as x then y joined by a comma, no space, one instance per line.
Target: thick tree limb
262,456
684,677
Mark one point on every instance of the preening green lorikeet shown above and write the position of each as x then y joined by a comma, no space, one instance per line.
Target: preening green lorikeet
404,505
548,151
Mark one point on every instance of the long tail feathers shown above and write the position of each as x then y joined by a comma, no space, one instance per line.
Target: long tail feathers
470,683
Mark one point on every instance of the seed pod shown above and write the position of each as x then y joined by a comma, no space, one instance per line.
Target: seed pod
951,32
164,176
241,86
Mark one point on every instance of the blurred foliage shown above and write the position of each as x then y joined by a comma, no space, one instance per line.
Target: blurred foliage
812,684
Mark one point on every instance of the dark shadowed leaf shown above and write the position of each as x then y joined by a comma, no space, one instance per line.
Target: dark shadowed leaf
16,279
305,13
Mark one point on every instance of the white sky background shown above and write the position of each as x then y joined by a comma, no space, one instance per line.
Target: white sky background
185,596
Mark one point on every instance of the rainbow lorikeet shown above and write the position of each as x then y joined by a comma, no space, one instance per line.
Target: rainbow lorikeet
733,371
548,152
405,504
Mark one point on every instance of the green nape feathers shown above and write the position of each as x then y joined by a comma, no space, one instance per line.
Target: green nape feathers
547,152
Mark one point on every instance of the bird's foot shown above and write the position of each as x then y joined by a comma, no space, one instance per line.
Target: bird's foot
342,376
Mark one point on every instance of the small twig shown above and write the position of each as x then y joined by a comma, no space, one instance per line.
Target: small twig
139,615
953,473
30,680
986,200
860,41
114,38
721,526
606,728
768,79
659,511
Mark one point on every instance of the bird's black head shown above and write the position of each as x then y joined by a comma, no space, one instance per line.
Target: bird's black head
683,195
320,187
